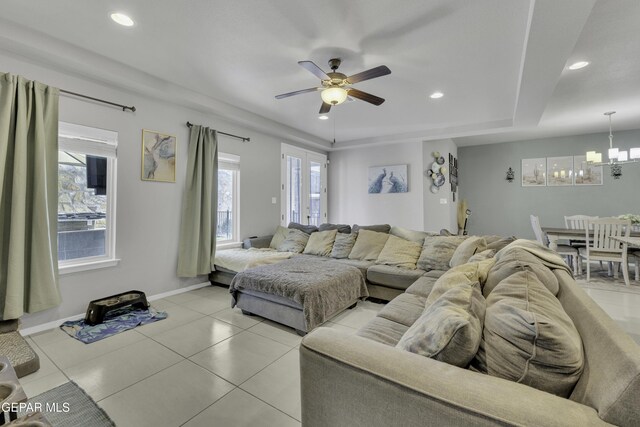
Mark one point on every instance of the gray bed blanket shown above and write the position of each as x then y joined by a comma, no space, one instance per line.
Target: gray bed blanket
320,286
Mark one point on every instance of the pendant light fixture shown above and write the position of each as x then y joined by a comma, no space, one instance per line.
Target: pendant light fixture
616,156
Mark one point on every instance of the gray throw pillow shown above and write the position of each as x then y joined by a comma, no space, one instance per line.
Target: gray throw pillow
437,252
342,245
380,228
529,338
295,242
321,243
304,228
450,329
342,228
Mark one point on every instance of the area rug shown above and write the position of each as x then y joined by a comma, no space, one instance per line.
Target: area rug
69,406
115,321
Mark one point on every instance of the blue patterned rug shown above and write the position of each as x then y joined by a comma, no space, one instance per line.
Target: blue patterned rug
115,321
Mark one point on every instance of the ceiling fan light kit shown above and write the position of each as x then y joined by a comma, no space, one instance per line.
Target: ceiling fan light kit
337,87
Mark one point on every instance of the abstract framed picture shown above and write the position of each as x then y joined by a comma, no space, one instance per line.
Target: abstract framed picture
586,174
388,179
559,171
158,156
534,172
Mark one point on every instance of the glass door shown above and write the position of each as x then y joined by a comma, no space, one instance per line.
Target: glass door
304,186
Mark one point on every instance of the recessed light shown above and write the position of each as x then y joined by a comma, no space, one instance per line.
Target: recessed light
122,19
578,65
323,117
436,95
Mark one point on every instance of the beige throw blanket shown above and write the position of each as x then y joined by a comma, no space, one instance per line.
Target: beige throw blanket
241,259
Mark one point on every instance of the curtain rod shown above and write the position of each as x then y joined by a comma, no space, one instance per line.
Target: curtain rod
189,124
124,107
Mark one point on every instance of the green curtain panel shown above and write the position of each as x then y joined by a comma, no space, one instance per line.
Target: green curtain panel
197,248
28,197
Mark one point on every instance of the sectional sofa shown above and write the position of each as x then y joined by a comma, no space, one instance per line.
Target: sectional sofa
508,340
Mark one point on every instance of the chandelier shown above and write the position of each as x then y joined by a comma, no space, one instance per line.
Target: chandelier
617,157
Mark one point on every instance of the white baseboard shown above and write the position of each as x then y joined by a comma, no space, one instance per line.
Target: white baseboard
55,323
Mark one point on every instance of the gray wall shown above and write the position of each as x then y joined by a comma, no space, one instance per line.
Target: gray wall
499,207
148,213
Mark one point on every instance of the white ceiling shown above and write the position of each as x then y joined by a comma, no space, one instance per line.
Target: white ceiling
500,63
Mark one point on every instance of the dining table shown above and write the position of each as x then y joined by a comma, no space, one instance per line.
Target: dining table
555,234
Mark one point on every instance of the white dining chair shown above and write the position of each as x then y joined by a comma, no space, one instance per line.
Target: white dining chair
564,250
578,222
603,247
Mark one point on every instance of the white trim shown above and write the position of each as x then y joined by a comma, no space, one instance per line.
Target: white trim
87,265
55,323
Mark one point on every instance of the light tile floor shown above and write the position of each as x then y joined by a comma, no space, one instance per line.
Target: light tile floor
208,364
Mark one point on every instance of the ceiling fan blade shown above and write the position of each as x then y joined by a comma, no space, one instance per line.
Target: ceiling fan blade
364,96
324,109
369,74
297,92
314,69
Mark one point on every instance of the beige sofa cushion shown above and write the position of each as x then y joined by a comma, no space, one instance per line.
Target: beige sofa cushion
295,241
342,245
462,274
422,287
392,277
368,245
404,309
466,250
517,260
528,337
481,256
407,234
500,243
450,329
399,252
383,330
278,237
437,252
321,243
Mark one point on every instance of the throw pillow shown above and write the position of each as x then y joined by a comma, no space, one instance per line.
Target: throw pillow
321,243
342,228
278,237
343,245
462,274
529,338
405,233
499,244
304,228
466,250
437,252
368,245
515,260
450,330
481,256
380,228
295,241
399,253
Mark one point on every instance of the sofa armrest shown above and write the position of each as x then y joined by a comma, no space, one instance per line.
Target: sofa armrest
256,242
347,380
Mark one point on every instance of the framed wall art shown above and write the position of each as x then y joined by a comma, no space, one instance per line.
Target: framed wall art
559,171
534,172
158,156
586,174
388,179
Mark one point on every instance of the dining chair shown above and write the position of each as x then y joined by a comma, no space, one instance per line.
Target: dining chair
564,250
603,247
578,222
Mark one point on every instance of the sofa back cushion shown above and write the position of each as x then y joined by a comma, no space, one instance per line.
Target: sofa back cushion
516,260
437,252
321,243
368,245
304,228
450,329
380,228
399,252
407,234
342,245
481,256
467,249
278,237
462,274
295,241
528,337
500,243
342,228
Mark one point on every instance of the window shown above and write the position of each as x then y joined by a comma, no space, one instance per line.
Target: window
228,198
86,197
304,186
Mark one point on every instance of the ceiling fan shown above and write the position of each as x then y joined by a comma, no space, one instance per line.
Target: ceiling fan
336,87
